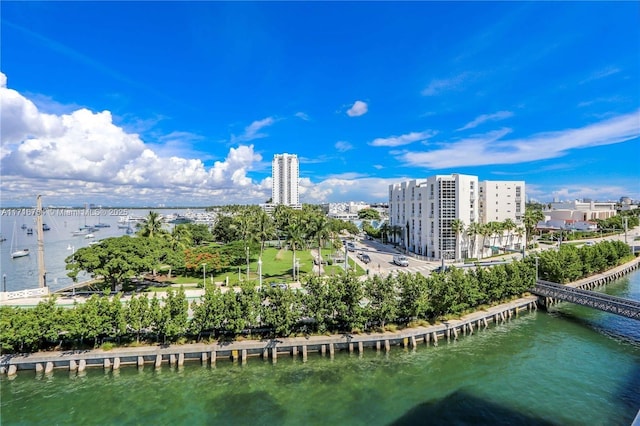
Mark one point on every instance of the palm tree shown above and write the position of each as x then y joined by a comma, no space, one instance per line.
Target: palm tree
485,231
473,230
178,240
457,226
319,228
264,229
509,225
531,219
151,226
281,216
295,235
519,233
384,232
245,223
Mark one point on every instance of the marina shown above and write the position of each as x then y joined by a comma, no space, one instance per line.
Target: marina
66,231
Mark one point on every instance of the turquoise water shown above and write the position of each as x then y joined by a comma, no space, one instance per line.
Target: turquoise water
572,366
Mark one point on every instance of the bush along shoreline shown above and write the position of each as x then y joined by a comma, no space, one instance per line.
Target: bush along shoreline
327,305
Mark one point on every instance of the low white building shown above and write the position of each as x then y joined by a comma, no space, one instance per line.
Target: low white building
581,210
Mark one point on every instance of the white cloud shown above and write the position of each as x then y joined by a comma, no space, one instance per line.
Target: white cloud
437,86
491,148
597,75
500,115
403,139
301,115
346,187
343,146
357,109
252,131
84,155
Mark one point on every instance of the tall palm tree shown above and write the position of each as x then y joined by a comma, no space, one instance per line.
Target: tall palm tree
457,226
531,219
264,229
151,226
295,235
384,232
281,216
319,229
473,230
509,225
485,231
178,240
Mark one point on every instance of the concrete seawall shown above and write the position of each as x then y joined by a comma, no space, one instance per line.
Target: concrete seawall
240,351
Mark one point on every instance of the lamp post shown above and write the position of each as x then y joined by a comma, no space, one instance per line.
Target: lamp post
4,283
247,250
536,268
260,271
73,254
204,275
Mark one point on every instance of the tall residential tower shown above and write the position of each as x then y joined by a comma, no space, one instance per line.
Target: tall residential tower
285,175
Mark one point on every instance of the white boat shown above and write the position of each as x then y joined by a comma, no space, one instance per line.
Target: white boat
14,252
80,232
89,236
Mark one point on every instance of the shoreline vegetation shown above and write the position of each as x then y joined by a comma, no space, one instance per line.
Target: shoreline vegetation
334,305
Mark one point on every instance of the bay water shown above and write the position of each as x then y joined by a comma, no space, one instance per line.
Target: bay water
573,365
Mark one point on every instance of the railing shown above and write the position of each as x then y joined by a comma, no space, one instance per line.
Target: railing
23,294
603,302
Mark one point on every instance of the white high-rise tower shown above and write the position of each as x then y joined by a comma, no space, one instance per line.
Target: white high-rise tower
285,174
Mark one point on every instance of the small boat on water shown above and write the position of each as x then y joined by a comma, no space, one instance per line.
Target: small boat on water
23,226
20,253
46,227
89,236
102,225
14,252
80,232
29,231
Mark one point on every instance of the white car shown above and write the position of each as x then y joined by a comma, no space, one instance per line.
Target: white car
401,260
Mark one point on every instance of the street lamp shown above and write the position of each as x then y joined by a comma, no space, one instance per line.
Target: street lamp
204,275
73,253
247,250
260,271
4,283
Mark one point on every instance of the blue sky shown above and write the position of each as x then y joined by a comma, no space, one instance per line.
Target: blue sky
121,103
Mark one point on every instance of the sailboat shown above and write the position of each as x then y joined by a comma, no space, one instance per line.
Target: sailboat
17,253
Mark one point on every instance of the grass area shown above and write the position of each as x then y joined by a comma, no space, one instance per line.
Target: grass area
277,266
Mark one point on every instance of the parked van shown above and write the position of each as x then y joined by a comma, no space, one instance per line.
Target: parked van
400,260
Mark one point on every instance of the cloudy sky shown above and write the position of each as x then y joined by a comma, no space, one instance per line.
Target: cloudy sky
151,103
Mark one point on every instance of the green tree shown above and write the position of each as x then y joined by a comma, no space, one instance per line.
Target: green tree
383,301
138,315
151,226
369,214
115,260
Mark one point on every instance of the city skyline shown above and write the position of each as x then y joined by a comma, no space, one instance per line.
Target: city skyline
187,103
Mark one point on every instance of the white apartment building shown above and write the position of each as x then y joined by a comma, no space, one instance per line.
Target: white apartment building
421,212
285,174
501,200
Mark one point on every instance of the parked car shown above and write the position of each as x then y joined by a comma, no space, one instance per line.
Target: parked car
365,258
400,260
351,246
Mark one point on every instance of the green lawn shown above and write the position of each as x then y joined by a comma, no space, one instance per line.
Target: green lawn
277,266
